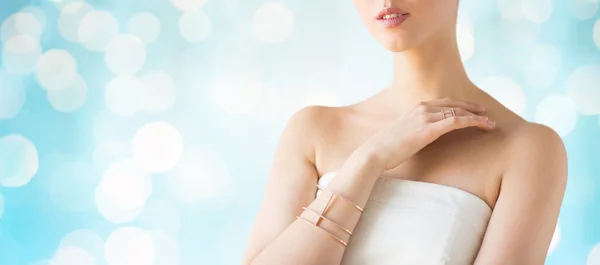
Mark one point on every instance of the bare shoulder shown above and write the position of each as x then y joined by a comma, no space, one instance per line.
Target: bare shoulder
306,127
539,150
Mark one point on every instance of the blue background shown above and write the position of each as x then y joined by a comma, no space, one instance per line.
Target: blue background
193,143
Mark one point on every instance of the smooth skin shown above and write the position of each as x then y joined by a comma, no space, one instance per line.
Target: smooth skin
518,168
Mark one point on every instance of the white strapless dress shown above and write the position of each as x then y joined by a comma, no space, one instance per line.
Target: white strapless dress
407,222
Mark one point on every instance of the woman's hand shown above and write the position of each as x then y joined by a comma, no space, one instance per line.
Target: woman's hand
423,124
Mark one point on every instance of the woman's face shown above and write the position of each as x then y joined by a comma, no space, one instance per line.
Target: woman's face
422,19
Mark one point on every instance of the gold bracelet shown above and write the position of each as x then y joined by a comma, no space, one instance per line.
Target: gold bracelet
348,201
322,216
320,228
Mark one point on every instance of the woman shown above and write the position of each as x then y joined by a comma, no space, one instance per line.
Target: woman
430,170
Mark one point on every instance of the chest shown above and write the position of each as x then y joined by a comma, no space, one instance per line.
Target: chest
469,159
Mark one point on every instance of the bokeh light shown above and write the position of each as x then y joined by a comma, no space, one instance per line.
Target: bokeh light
121,122
273,22
542,66
129,245
125,55
160,91
200,176
21,23
466,41
583,9
145,26
20,54
506,91
188,5
97,29
70,18
166,248
558,112
122,95
195,26
71,98
594,255
72,256
56,69
157,146
18,160
123,191
582,87
85,239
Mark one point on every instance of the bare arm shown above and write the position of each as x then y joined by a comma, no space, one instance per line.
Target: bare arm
532,189
277,237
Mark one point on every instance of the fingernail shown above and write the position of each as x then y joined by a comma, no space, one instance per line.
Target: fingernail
490,122
483,118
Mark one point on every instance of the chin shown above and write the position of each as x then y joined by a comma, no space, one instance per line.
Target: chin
396,43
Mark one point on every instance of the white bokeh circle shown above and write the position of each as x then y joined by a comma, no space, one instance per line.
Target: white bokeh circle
37,12
145,26
466,42
18,160
70,18
70,98
200,176
583,9
21,23
273,22
582,87
97,29
20,54
239,95
166,248
125,54
123,95
72,256
594,255
160,91
157,146
542,66
537,11
85,239
56,69
129,245
188,5
510,9
12,95
557,112
123,191
195,26
506,91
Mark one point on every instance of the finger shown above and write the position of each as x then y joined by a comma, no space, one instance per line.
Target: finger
457,122
451,102
445,112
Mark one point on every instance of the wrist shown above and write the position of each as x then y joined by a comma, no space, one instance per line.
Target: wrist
370,159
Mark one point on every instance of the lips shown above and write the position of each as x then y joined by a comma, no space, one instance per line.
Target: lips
390,11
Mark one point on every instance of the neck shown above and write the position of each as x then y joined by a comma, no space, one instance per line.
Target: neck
431,70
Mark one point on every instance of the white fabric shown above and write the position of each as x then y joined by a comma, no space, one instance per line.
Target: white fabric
408,222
